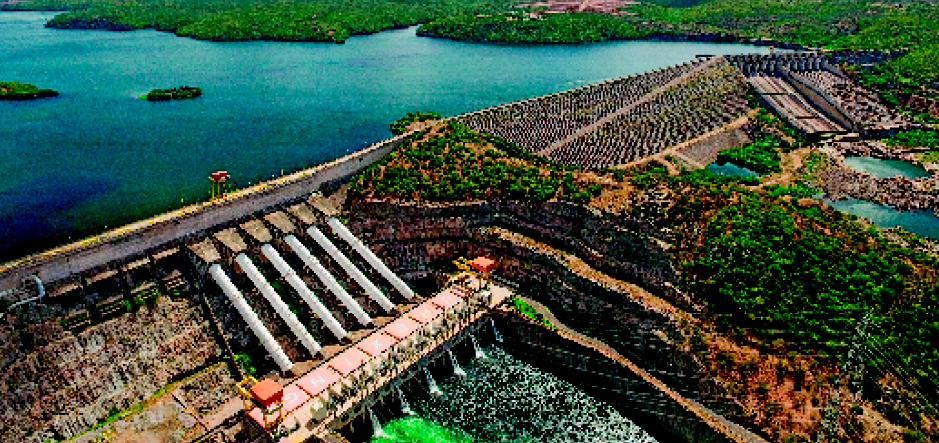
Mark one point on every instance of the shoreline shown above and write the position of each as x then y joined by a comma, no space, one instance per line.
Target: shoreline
109,24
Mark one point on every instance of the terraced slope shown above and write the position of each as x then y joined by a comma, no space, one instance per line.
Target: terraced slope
622,120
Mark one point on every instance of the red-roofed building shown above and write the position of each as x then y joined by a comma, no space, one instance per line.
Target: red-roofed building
401,328
446,299
424,313
350,360
294,397
483,265
317,381
377,343
267,393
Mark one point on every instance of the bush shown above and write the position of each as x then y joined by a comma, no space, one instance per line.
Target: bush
400,125
761,155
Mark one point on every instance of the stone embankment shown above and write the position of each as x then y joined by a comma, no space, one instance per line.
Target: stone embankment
57,384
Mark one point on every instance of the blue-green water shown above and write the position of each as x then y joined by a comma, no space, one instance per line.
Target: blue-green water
731,169
97,156
882,168
921,222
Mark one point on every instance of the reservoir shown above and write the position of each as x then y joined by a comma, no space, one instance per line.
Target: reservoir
882,168
96,156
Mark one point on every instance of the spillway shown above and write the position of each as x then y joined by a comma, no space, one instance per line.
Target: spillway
328,280
373,292
260,331
305,293
370,257
274,299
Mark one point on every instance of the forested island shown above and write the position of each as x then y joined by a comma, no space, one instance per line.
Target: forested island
23,91
180,93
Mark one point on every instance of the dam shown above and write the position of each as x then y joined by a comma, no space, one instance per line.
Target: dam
328,305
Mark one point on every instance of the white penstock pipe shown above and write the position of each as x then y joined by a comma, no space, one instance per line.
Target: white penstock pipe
328,280
271,295
305,293
370,257
373,292
260,331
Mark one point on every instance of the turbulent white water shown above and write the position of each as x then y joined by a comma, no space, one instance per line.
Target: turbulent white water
503,399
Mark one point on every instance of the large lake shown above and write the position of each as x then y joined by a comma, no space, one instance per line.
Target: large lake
98,157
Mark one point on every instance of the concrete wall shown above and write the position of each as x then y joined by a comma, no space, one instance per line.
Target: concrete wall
820,99
163,229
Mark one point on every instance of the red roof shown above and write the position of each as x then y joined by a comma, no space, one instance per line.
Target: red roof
446,299
483,264
348,361
425,312
267,392
294,397
318,380
377,343
401,328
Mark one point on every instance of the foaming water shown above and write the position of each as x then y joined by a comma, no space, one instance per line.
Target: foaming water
502,399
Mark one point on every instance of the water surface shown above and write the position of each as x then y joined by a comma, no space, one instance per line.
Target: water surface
731,169
98,157
882,168
921,222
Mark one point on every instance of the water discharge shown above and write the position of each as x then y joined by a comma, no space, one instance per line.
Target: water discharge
479,352
405,407
457,370
432,384
505,400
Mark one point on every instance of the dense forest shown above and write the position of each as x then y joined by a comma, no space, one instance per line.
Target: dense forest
23,91
779,273
288,20
515,27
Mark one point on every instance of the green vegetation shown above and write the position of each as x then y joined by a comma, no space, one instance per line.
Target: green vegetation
798,190
454,163
23,91
806,275
418,430
529,312
237,20
180,93
760,155
400,125
915,138
516,27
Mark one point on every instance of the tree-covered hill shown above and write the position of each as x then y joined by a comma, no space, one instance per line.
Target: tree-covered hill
232,20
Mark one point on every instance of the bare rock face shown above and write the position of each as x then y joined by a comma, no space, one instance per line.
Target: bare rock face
54,380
